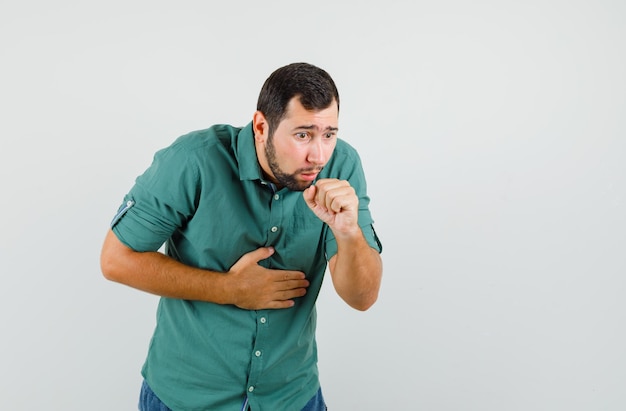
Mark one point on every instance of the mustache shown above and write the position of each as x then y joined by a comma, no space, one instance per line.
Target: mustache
310,170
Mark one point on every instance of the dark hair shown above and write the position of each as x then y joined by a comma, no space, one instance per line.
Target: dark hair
314,87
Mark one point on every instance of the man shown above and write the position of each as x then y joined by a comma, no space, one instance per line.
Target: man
250,218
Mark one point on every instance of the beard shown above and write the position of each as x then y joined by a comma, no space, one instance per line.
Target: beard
285,179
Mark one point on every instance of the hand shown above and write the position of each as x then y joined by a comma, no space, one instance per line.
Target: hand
334,202
256,288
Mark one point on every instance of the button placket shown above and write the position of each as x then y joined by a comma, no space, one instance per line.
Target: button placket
276,216
256,354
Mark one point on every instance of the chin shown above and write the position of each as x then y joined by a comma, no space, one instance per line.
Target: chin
299,186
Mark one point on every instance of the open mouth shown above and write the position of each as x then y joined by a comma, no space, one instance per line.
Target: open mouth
309,176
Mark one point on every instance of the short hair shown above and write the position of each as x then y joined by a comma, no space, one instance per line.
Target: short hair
313,85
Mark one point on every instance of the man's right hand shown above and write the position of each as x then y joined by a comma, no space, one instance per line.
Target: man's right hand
253,287
247,285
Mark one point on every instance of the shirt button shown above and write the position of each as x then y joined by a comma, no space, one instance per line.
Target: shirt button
250,388
257,353
276,196
263,320
274,229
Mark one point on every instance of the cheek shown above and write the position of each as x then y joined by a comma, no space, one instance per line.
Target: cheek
289,158
328,150
293,153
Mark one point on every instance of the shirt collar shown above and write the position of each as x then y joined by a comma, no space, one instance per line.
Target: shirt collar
249,168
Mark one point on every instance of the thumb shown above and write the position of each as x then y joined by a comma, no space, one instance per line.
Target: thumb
309,195
255,256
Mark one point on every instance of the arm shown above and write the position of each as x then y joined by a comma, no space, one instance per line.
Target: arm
356,269
246,285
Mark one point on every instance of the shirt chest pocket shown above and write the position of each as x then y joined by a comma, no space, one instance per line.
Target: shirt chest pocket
304,223
304,240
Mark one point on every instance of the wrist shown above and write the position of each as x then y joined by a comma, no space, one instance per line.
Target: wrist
349,235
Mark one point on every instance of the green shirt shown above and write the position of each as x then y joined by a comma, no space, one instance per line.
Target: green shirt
205,198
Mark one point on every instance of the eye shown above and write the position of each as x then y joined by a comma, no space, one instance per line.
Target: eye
302,136
329,135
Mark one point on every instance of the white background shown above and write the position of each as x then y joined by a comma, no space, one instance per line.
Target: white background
493,138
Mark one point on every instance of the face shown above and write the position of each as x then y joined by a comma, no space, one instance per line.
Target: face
299,148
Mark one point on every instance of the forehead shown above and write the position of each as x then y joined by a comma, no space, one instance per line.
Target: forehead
324,118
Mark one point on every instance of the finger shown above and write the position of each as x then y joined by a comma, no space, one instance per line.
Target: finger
286,298
279,305
293,285
342,202
257,255
326,182
286,275
330,190
342,197
291,294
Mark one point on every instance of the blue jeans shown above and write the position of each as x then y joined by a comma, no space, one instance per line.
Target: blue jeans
148,401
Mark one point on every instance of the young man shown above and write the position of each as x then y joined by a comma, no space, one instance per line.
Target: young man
250,218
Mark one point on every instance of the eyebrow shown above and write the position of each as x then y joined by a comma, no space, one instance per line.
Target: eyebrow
313,127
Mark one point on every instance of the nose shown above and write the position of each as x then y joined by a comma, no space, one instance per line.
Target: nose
316,154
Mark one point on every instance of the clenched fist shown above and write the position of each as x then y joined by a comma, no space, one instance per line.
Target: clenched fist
334,202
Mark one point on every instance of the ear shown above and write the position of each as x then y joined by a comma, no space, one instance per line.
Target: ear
260,127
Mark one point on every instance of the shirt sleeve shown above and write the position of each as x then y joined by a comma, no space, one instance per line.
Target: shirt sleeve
163,198
352,170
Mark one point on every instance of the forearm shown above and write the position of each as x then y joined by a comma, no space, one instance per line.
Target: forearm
159,274
356,271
